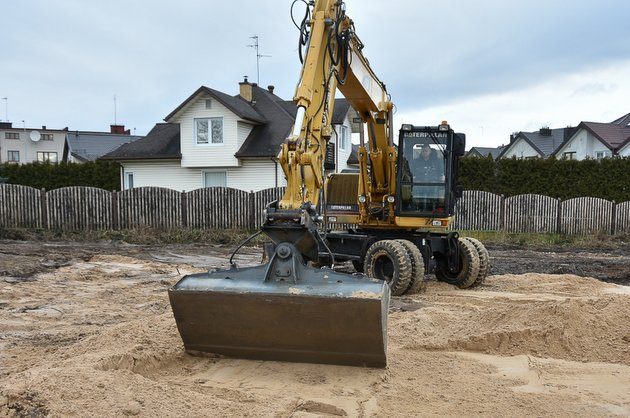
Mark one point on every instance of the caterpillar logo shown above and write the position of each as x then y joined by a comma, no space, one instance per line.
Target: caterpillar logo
342,208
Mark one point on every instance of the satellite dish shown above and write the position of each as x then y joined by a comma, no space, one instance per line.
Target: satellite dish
35,136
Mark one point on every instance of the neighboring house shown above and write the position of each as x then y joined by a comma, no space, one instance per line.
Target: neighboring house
484,152
27,145
597,140
540,144
215,139
88,146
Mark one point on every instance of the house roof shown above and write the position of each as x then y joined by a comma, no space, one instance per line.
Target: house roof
622,121
273,118
236,104
610,134
162,142
485,151
545,141
265,140
88,146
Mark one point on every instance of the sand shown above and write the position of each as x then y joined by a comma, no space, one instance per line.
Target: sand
97,338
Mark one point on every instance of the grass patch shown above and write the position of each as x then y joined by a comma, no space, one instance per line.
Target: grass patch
550,241
144,236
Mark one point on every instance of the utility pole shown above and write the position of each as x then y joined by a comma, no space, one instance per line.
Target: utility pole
6,108
258,56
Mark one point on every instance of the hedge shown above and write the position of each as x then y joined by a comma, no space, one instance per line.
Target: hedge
608,178
103,174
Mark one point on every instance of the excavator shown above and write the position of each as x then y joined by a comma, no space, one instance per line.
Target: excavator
400,204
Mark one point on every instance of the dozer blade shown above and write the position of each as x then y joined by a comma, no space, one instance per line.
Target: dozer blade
285,311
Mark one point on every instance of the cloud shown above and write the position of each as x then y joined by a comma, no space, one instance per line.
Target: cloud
65,60
488,120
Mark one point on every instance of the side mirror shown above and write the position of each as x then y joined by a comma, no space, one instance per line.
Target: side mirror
459,144
459,191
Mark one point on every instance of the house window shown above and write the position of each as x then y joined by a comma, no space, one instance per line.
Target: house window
345,137
209,131
215,179
128,181
13,156
11,135
602,154
570,155
46,157
208,103
46,137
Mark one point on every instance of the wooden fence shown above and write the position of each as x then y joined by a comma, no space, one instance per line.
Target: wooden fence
87,208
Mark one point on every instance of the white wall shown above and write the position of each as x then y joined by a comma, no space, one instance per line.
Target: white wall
521,149
625,151
343,154
585,145
208,155
27,148
252,175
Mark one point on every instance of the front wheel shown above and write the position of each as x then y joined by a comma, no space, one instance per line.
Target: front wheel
389,261
468,267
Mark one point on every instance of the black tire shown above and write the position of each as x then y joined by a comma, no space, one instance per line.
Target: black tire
416,283
358,266
388,260
484,260
469,267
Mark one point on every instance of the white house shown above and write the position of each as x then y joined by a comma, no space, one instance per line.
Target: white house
538,144
27,145
597,140
214,139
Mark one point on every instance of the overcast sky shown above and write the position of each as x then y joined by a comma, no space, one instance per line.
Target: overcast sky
490,67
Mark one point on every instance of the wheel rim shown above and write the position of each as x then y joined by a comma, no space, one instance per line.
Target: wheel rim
384,268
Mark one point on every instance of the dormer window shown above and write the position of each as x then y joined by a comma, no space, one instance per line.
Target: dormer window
209,131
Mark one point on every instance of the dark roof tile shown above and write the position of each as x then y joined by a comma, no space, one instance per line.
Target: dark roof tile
162,142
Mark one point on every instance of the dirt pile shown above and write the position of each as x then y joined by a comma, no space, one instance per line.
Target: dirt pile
97,337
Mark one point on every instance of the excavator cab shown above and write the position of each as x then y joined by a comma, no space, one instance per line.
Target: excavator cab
427,174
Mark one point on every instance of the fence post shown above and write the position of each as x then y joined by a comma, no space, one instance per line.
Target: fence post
184,210
115,211
252,210
613,223
44,205
502,214
559,217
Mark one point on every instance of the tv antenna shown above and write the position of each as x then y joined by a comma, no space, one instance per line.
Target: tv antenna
258,56
6,108
115,122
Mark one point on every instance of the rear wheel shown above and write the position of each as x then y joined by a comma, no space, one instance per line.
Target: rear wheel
388,260
484,260
468,267
416,283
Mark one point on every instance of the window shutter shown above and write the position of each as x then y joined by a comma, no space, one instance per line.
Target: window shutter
329,161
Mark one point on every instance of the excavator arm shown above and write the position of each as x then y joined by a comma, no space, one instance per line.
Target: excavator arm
334,60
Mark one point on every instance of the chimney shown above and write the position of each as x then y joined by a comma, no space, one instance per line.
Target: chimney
568,131
545,131
43,127
118,129
246,90
6,125
270,87
513,136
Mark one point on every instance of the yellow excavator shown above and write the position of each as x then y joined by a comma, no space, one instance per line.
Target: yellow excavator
297,307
